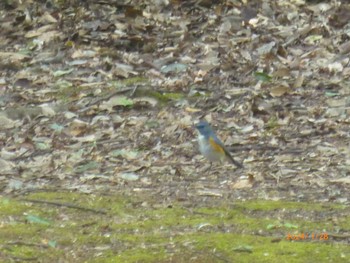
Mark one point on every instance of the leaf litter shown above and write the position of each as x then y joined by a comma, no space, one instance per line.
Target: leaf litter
273,83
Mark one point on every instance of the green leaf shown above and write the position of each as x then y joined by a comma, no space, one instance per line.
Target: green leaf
273,226
244,248
128,154
42,146
38,220
331,94
123,101
87,166
175,67
56,127
52,244
60,73
289,225
262,76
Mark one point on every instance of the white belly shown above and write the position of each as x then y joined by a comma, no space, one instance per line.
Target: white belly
206,150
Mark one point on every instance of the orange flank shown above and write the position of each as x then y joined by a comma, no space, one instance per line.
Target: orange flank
216,146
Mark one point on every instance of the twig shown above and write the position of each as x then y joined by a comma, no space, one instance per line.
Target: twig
251,147
65,205
33,154
17,259
344,236
21,243
125,90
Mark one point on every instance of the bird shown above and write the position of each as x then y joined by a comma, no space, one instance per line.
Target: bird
211,146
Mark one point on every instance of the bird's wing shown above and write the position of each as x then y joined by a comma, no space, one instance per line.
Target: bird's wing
217,145
222,147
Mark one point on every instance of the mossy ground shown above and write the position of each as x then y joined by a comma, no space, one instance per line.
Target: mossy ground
136,230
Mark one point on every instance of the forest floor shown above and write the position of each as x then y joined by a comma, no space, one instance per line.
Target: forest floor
99,160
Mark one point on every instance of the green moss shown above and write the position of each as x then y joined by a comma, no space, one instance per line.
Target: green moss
119,84
159,96
130,232
134,255
271,205
11,207
272,123
135,80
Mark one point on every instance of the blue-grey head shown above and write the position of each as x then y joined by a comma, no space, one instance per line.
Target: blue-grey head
204,128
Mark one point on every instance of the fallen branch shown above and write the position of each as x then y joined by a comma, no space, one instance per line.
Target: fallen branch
17,259
343,236
21,243
65,205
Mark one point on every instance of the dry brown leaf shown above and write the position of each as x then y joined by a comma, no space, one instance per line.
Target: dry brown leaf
298,82
13,56
279,90
40,31
47,18
210,192
6,123
192,110
345,180
242,184
6,166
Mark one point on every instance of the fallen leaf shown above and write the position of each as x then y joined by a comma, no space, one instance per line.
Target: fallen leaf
278,91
